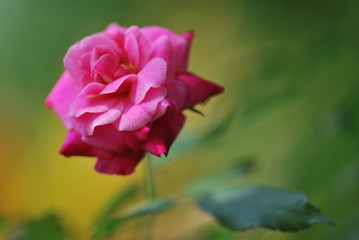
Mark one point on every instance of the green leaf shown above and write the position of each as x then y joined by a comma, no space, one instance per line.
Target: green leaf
249,207
46,228
108,227
207,184
117,202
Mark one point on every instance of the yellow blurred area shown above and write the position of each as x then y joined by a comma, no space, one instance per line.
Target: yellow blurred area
39,180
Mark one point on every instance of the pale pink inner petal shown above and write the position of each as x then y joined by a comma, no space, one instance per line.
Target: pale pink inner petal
82,124
153,75
107,117
136,116
120,85
89,101
162,48
137,47
154,32
105,67
180,44
162,108
116,33
132,49
80,67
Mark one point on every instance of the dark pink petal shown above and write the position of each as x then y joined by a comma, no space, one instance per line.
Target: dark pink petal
62,96
119,86
136,116
153,75
162,48
164,131
78,58
137,47
107,137
198,89
120,164
74,146
177,94
89,101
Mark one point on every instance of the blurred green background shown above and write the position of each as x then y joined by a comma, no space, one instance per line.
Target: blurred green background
290,69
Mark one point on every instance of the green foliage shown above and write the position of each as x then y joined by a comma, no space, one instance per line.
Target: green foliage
117,202
204,185
46,228
108,226
245,208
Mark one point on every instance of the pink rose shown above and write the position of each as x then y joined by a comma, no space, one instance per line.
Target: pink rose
123,92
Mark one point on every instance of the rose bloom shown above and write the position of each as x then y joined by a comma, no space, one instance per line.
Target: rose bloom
123,92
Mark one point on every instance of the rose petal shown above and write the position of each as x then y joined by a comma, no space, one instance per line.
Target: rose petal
89,101
62,96
136,116
120,85
162,108
155,32
177,94
107,137
137,47
153,75
105,67
180,44
182,64
164,131
74,146
162,48
121,164
78,61
107,117
198,89
116,33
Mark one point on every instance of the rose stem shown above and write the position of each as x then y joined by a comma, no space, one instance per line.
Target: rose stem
149,181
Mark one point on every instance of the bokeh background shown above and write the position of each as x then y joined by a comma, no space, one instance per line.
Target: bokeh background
290,69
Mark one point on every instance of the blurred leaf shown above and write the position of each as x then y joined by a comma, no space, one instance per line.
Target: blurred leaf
46,228
117,202
345,116
264,105
220,128
245,208
205,185
107,227
215,232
